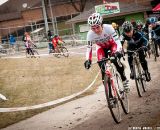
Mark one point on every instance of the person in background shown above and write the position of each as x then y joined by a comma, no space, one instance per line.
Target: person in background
116,27
12,41
154,32
28,42
56,41
50,45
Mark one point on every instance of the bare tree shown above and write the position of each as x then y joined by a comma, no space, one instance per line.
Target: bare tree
79,6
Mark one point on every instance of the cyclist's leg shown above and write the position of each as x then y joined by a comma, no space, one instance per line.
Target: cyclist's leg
31,51
156,47
27,50
130,62
158,43
120,69
100,55
144,64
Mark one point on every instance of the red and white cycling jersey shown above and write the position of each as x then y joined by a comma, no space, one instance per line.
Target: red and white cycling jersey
107,40
28,42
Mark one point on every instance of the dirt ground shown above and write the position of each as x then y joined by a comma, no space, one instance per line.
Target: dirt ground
91,113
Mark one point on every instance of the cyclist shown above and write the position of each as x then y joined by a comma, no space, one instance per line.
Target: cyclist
154,32
28,43
139,26
135,40
106,39
56,41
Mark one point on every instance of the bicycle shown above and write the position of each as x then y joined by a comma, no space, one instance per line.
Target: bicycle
114,90
139,74
61,50
153,49
33,52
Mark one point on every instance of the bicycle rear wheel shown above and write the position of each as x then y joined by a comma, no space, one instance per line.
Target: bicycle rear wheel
123,96
64,51
36,53
137,77
114,102
28,55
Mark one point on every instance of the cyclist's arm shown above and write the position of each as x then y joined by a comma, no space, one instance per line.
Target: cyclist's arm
142,40
89,51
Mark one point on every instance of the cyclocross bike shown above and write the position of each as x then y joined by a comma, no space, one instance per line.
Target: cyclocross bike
35,52
61,50
114,90
153,49
139,74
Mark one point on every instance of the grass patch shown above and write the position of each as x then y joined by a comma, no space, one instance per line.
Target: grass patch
27,82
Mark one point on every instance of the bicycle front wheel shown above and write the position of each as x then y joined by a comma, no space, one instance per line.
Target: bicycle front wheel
143,81
64,51
36,53
112,100
153,50
123,95
137,77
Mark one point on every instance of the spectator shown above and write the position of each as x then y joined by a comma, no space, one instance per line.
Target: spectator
50,45
116,28
12,41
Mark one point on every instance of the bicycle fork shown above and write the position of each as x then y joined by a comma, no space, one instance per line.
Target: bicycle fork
112,86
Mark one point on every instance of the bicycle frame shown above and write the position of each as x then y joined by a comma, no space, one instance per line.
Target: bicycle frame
112,85
109,71
138,76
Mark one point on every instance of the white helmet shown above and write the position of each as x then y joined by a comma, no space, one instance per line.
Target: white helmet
95,19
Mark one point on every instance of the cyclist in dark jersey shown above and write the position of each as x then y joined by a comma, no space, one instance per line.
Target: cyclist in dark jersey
135,40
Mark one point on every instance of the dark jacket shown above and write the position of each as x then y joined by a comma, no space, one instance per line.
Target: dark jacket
136,41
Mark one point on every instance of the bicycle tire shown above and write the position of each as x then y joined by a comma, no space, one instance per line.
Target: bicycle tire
56,55
137,79
36,53
123,96
143,80
28,55
154,51
116,117
154,48
64,51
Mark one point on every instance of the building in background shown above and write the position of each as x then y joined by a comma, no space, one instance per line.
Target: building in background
17,16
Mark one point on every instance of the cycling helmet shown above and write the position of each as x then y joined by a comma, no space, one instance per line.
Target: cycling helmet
127,26
95,19
152,20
